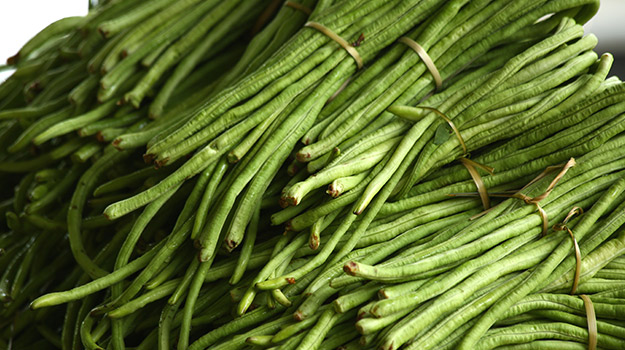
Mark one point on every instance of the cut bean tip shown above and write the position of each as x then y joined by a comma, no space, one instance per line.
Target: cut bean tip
109,213
100,137
204,255
314,242
376,312
159,163
360,329
334,190
283,203
148,158
302,157
337,307
232,158
288,200
134,100
103,31
13,59
299,315
387,346
116,143
350,268
231,244
294,201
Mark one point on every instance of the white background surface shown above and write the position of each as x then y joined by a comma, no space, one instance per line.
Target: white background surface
21,19
609,26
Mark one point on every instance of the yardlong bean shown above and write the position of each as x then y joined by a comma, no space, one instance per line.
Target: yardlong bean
294,199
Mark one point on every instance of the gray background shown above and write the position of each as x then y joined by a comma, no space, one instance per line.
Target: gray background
609,26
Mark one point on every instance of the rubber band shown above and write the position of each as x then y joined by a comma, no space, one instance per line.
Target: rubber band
564,168
531,200
429,63
591,319
330,34
299,7
537,199
521,196
578,256
541,211
481,188
469,164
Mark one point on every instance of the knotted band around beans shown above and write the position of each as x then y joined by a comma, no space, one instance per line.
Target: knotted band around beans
429,63
591,319
531,200
469,164
578,256
535,200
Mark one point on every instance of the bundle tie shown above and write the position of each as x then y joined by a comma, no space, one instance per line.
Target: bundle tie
578,256
332,35
481,188
298,7
527,199
591,319
535,200
469,164
429,63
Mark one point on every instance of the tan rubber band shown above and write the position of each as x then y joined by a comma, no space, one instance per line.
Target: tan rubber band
469,164
541,211
532,200
425,58
578,255
591,319
526,199
550,188
298,7
330,34
535,200
564,168
481,188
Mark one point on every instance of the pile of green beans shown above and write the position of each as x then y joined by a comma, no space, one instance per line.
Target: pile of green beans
291,200
533,320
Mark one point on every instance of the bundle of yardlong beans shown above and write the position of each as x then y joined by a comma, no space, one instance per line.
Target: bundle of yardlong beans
326,174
